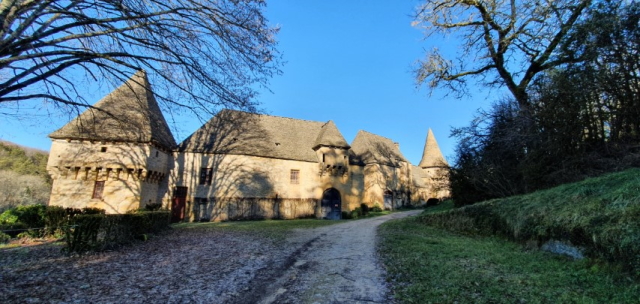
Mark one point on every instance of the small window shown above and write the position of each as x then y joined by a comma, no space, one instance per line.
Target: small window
98,188
295,176
206,175
323,157
157,153
103,149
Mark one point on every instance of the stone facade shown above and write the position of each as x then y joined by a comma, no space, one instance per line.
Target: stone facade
121,156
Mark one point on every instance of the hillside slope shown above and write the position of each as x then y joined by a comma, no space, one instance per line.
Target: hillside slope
599,215
23,176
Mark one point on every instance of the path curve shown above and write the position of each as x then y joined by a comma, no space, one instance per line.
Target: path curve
332,264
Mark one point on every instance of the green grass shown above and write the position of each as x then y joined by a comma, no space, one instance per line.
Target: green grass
277,229
430,265
601,214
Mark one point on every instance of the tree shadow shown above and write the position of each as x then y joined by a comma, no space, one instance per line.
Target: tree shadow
223,166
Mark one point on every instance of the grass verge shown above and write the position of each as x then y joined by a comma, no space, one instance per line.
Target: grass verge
276,229
600,215
429,265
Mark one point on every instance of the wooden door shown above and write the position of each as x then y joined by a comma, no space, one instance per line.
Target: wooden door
178,204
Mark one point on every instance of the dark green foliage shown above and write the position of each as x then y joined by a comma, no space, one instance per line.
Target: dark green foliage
17,159
96,232
600,214
365,209
4,238
376,208
153,207
29,219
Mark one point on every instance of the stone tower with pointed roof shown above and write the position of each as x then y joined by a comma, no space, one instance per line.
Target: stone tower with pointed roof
114,156
120,155
431,175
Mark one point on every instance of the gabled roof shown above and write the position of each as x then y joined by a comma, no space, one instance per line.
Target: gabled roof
432,156
330,136
243,133
370,148
130,113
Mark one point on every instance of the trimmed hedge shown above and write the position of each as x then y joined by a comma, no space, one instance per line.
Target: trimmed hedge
97,232
601,215
87,229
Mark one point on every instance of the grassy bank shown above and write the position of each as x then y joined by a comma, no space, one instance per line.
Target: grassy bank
430,265
600,215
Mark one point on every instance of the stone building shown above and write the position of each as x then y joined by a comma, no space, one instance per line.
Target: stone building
120,155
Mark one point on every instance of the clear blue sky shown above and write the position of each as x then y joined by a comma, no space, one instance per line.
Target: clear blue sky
347,61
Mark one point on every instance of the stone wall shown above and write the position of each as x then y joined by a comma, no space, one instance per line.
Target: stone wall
132,174
261,179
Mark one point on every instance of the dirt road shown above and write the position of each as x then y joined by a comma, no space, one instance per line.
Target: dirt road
333,264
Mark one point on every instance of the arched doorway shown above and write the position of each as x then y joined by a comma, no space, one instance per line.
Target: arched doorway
331,204
388,200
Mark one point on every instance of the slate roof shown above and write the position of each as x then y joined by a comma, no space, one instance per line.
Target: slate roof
129,113
432,156
368,148
243,133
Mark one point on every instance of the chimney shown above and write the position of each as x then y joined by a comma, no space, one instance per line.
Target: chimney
397,144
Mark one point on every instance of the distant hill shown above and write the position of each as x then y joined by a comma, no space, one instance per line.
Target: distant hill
23,176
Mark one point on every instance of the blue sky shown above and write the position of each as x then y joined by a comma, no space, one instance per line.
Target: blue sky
347,61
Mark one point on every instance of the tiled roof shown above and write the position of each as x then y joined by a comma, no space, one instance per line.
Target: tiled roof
130,113
243,133
370,148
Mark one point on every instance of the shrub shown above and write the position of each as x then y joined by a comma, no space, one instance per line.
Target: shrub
153,207
346,215
365,209
55,217
96,232
24,217
4,238
376,208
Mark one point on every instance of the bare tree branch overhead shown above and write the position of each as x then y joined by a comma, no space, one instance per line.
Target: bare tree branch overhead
510,40
210,53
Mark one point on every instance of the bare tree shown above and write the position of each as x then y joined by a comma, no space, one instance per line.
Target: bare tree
504,42
210,53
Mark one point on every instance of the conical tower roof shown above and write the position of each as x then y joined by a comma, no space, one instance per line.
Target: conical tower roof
130,113
432,156
330,136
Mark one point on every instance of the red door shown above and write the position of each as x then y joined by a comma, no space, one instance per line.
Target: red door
178,204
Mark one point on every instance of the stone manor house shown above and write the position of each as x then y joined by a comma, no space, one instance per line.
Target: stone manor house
121,155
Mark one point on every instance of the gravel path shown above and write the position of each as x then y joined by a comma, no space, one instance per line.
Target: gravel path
332,264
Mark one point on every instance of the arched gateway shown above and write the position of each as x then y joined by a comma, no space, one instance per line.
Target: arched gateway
331,204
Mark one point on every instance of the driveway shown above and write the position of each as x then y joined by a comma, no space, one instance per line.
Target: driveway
332,264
